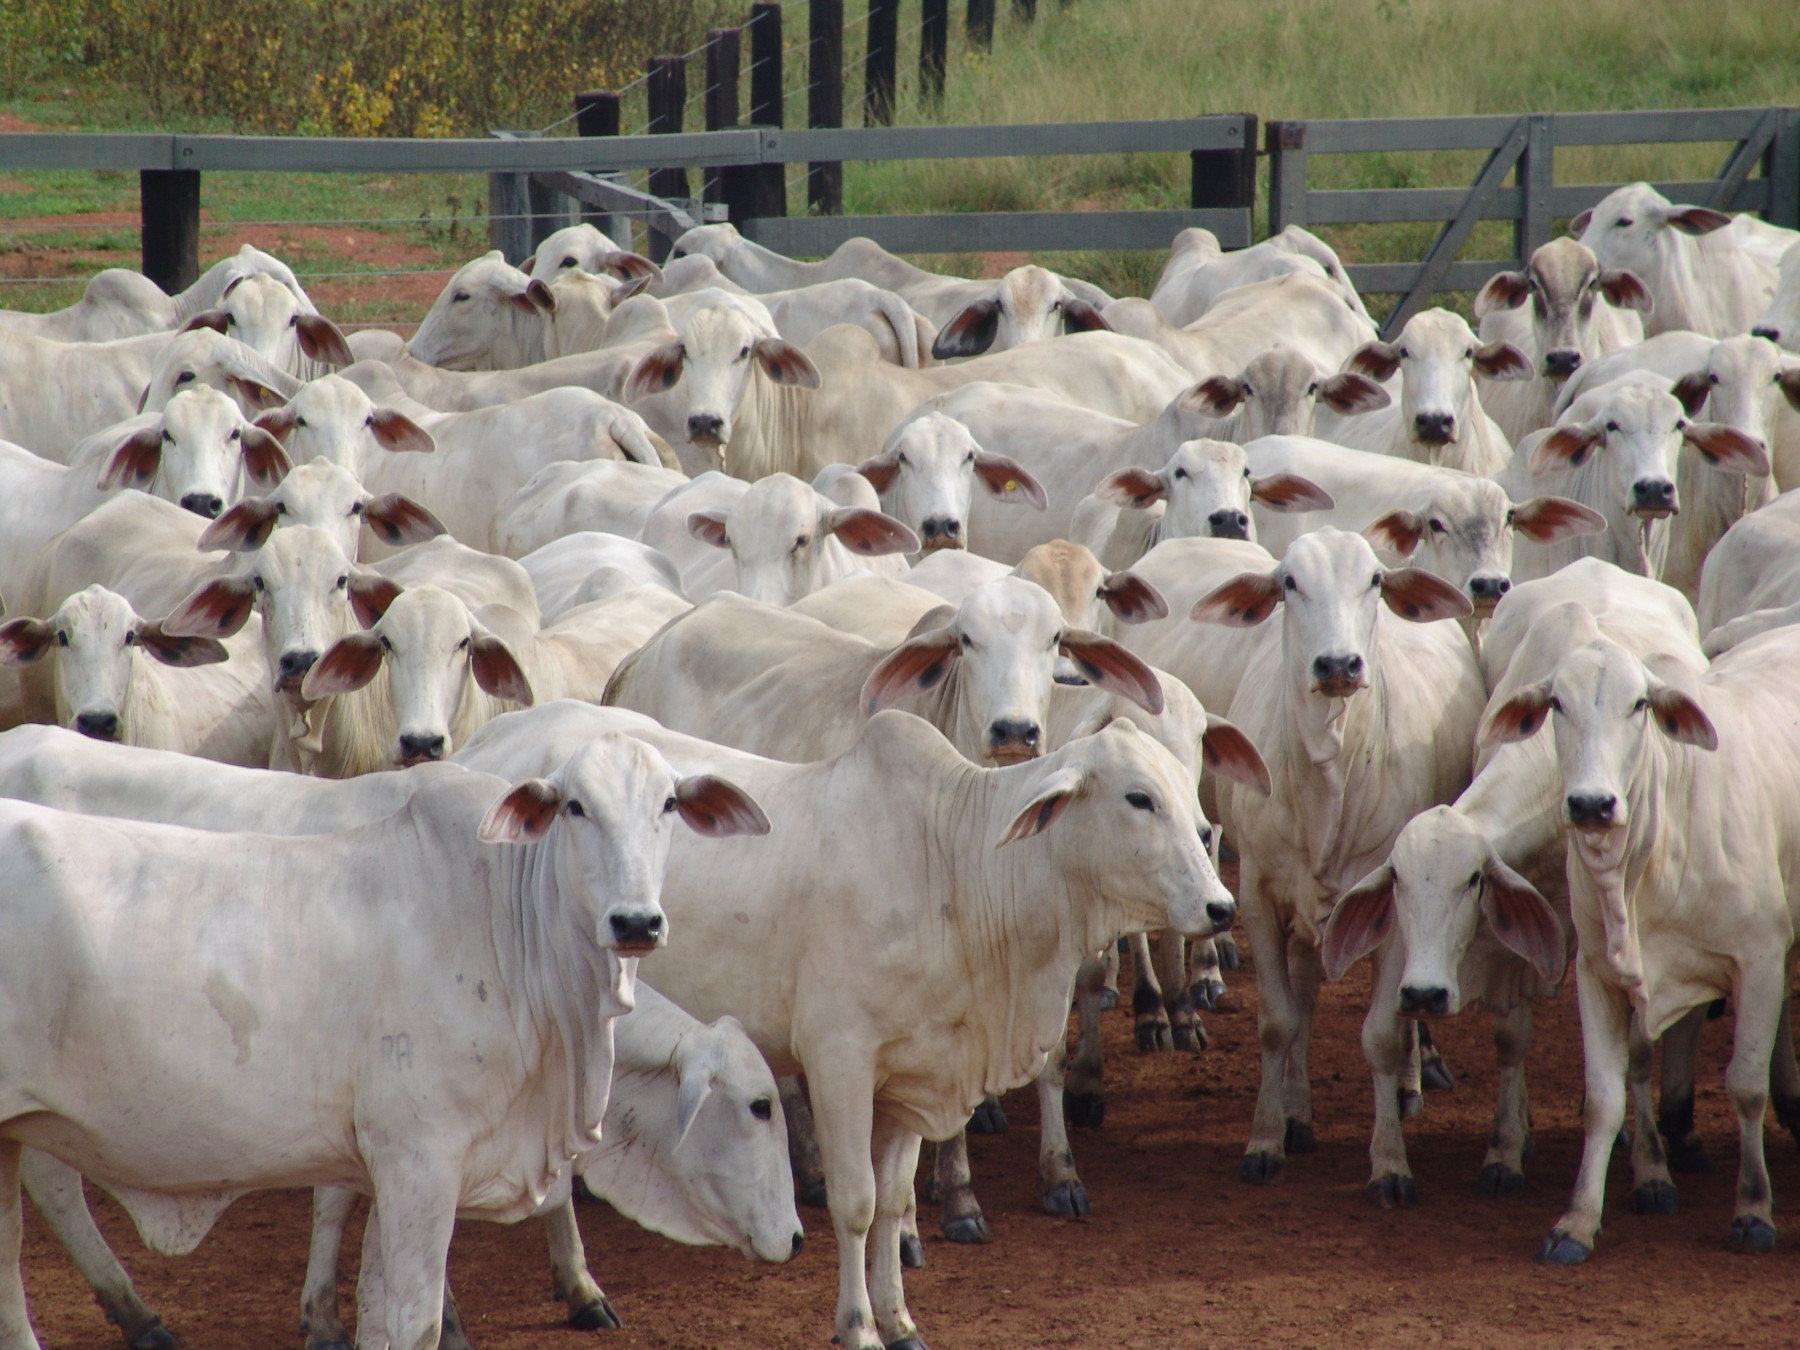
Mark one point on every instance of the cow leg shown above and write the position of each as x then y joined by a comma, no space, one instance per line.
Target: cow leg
959,1214
15,1327
912,1251
1304,975
1503,1170
1784,1075
1652,1188
1277,1023
371,1289
332,1206
414,1215
1109,988
1761,1007
55,1188
1061,1191
845,1101
589,1309
1205,977
1384,1046
1412,1081
896,1158
803,1145
1680,1044
1084,1087
1605,1017
1434,1074
1152,1024
1186,1030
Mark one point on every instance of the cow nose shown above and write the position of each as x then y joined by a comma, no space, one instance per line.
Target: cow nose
1221,912
421,747
1414,999
102,726
1772,334
1228,525
1653,494
799,1242
294,665
636,930
1336,674
1435,428
1560,365
1591,808
1488,590
704,427
203,504
941,532
1014,734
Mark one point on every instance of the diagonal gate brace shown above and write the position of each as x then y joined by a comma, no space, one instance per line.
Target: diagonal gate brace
1745,157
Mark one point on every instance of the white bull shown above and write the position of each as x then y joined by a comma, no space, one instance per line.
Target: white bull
1199,272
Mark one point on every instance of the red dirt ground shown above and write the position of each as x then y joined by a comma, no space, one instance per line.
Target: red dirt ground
1176,1253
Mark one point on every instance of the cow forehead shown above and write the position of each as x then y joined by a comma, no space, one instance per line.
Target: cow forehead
1563,266
1069,573
1437,332
1123,751
776,505
1599,678
614,768
1439,845
201,409
1009,606
1466,504
331,399
96,610
1030,287
319,490
1202,455
1744,359
489,273
261,297
1331,560
303,552
721,328
933,439
1280,368
1642,408
425,618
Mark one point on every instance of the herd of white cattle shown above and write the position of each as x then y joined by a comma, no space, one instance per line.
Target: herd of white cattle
848,644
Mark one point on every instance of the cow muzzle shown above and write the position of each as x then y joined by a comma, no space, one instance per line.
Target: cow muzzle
1434,428
1592,810
203,504
1417,1000
1487,591
1013,741
292,668
1653,499
706,430
940,532
1231,524
1339,676
416,749
635,934
101,726
1559,365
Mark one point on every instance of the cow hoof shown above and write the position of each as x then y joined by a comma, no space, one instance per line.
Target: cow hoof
1225,946
161,1338
1086,1109
1654,1197
1499,1181
1259,1169
1206,994
1394,1191
988,1119
1412,1105
1750,1235
1689,1156
1067,1199
1560,1249
970,1228
911,1342
1191,1039
1434,1075
1152,1037
1109,999
1299,1138
813,1196
596,1316
912,1251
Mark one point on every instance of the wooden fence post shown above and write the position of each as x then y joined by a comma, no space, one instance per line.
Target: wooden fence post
1781,166
1286,146
667,91
934,49
1025,9
169,212
881,63
600,112
1226,179
768,102
1536,177
719,101
981,23
825,100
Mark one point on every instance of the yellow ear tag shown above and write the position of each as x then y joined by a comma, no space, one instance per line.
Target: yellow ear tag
1011,483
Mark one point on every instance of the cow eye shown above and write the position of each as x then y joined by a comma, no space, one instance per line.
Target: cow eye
235,436
1312,388
387,644
1712,379
343,581
1141,801
1206,837
464,645
62,638
294,321
670,805
803,541
1612,426
1555,704
967,643
231,321
355,510
1288,582
1248,391
1437,527
1681,424
167,438
1640,705
566,262
577,809
131,639
1181,473
1469,355
1405,355
459,297
744,353
1375,581
186,377
1474,879
762,1108
1622,222
256,582
369,421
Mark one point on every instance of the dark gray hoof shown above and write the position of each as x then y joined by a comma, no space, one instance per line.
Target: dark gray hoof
1299,1138
1499,1181
596,1316
1206,994
988,1119
1226,947
1434,1075
1750,1235
1412,1105
160,1337
144,1343
1259,1169
1654,1197
1560,1249
966,1228
1190,1038
1689,1156
1154,1036
1085,1109
908,1343
912,1251
1394,1191
1109,999
1067,1199
813,1196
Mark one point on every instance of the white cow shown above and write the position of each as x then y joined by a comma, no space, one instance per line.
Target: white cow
203,356
55,394
331,418
1751,581
583,248
1028,304
489,316
1780,322
801,314
591,565
567,498
261,312
1199,271
1278,394
926,476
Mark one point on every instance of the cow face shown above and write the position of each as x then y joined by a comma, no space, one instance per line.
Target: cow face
203,357
333,419
1278,393
927,475
584,248
193,453
1780,322
1565,284
1747,384
484,318
1633,228
1209,489
1437,356
268,317
1028,305
1089,597
328,497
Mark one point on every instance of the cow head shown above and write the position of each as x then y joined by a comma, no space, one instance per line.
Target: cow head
1028,304
1278,393
1209,488
927,473
193,451
1437,356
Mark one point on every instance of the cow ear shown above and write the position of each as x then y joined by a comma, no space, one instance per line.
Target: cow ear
1359,922
254,395
523,300
1132,599
216,319
1726,448
784,363
1517,719
881,471
1578,223
542,298
716,808
1136,489
1505,290
280,422
970,333
1243,602
1692,390
626,289
1006,480
243,528
1789,380
632,267
1547,520
1377,360
1696,219
180,651
524,814
397,432
24,641
709,528
1350,393
497,670
696,1087
1290,492
322,340
1398,532
218,609
1081,317
1228,752
265,462
370,595
1564,448
1109,666
870,533
917,664
1681,718
399,520
1503,361
1413,593
135,462
658,371
348,664
1623,290
1522,919
1215,396
1041,811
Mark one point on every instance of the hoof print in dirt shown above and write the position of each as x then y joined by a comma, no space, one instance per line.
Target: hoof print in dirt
912,1251
1751,1236
1412,1105
1499,1181
1259,1169
813,1196
596,1316
1394,1191
1085,1109
988,1119
1560,1249
1299,1138
1655,1197
1067,1200
970,1228
1689,1156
